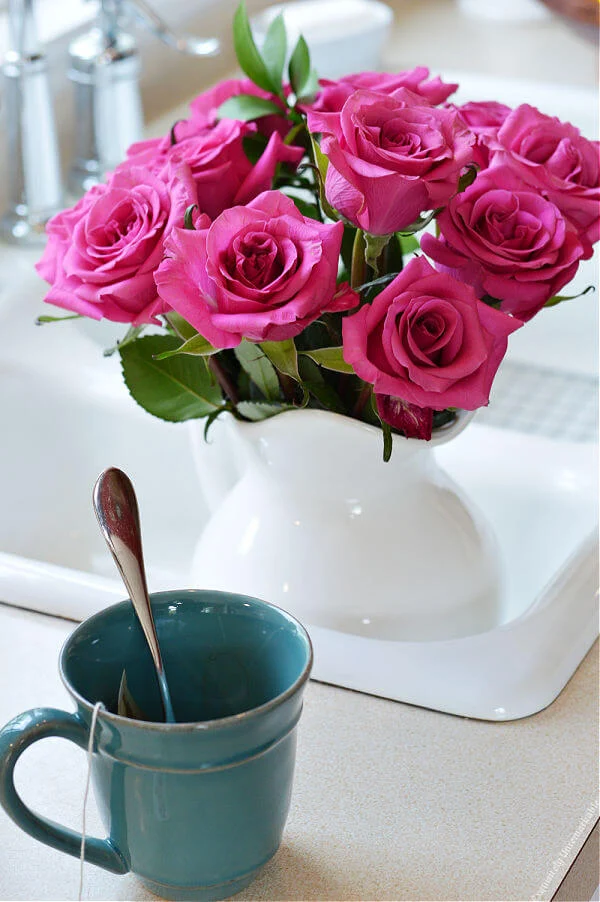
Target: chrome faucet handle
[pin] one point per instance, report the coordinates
(105, 66)
(190, 44)
(32, 170)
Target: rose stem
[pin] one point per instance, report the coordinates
(223, 379)
(358, 267)
(361, 400)
(288, 386)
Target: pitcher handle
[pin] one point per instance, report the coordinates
(217, 460)
(21, 732)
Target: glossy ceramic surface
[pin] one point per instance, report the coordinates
(320, 524)
(195, 808)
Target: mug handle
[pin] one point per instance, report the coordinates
(21, 732)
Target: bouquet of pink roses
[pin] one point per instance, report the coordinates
(272, 236)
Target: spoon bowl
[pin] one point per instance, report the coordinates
(116, 508)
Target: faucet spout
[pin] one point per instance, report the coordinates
(33, 165)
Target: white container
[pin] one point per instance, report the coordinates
(344, 36)
(318, 524)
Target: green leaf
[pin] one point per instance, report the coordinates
(247, 53)
(246, 107)
(468, 178)
(197, 346)
(443, 417)
(386, 429)
(330, 359)
(559, 298)
(260, 369)
(172, 135)
(180, 325)
(188, 222)
(42, 320)
(177, 389)
(283, 356)
(212, 417)
(358, 264)
(299, 67)
(313, 382)
(126, 704)
(388, 443)
(274, 50)
(260, 410)
(375, 245)
(310, 86)
(322, 163)
(408, 243)
(132, 334)
(254, 146)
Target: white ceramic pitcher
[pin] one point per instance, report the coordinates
(308, 516)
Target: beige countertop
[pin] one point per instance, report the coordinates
(436, 33)
(390, 801)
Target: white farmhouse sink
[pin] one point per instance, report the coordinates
(66, 415)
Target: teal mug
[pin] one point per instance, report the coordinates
(194, 809)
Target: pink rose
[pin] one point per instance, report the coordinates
(554, 157)
(507, 241)
(390, 158)
(333, 94)
(483, 118)
(262, 272)
(428, 340)
(223, 174)
(101, 254)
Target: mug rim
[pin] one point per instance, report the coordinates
(192, 725)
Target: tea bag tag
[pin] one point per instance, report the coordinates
(90, 752)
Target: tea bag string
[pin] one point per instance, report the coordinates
(90, 752)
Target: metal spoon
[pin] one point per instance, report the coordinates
(117, 511)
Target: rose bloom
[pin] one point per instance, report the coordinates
(101, 254)
(333, 94)
(428, 340)
(483, 118)
(223, 174)
(554, 157)
(507, 241)
(390, 157)
(261, 272)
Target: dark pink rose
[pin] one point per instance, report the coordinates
(101, 254)
(223, 174)
(428, 340)
(483, 118)
(554, 157)
(508, 241)
(262, 272)
(333, 94)
(413, 421)
(390, 158)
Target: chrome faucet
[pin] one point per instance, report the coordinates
(104, 66)
(32, 164)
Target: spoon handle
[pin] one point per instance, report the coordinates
(117, 511)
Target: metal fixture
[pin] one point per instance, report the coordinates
(33, 166)
(104, 65)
